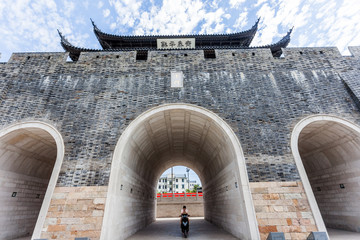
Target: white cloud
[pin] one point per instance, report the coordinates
(106, 13)
(241, 21)
(344, 28)
(31, 26)
(69, 8)
(259, 2)
(283, 15)
(213, 22)
(112, 26)
(173, 17)
(303, 40)
(100, 4)
(85, 4)
(267, 26)
(128, 11)
(236, 3)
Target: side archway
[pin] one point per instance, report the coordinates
(327, 154)
(178, 134)
(31, 156)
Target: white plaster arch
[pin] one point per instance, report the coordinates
(56, 169)
(300, 166)
(113, 189)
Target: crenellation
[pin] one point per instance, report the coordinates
(36, 58)
(312, 52)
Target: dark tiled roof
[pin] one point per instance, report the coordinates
(110, 41)
(211, 41)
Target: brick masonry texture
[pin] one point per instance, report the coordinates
(282, 207)
(92, 101)
(75, 212)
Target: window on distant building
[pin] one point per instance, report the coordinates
(182, 180)
(177, 186)
(182, 186)
(159, 180)
(176, 180)
(159, 187)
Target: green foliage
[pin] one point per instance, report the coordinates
(196, 186)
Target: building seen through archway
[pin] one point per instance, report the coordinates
(177, 180)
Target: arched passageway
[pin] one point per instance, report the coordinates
(327, 152)
(178, 134)
(28, 153)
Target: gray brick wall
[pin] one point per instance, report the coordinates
(92, 101)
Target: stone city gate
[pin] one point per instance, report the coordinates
(272, 137)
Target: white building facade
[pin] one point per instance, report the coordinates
(177, 183)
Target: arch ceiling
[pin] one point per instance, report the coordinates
(329, 157)
(31, 154)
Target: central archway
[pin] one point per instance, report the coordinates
(178, 134)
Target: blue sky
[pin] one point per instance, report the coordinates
(30, 25)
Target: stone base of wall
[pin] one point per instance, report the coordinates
(282, 207)
(75, 212)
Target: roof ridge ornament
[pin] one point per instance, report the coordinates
(93, 23)
(63, 39)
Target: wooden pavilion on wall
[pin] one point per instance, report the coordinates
(143, 44)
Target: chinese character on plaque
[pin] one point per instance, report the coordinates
(176, 43)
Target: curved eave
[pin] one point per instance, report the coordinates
(74, 52)
(276, 47)
(104, 37)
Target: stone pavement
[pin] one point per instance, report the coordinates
(165, 228)
(169, 228)
(336, 234)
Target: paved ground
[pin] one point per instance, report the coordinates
(169, 228)
(166, 228)
(336, 234)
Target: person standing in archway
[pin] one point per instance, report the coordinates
(184, 221)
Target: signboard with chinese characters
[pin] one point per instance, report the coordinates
(176, 43)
